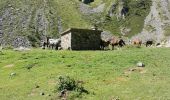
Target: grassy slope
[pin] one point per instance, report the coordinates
(102, 72)
(68, 11)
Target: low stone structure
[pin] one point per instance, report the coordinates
(81, 39)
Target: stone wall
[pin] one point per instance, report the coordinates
(66, 41)
(86, 40)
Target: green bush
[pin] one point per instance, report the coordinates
(67, 83)
(70, 84)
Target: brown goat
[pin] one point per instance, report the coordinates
(116, 42)
(137, 42)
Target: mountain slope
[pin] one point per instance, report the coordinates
(27, 22)
(21, 19)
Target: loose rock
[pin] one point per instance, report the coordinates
(42, 93)
(140, 64)
(12, 74)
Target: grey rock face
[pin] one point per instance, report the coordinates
(118, 10)
(85, 9)
(112, 10)
(20, 42)
(157, 21)
(19, 23)
(105, 35)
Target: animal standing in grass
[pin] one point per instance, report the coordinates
(104, 44)
(149, 43)
(116, 42)
(54, 43)
(137, 42)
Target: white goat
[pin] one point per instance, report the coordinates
(54, 43)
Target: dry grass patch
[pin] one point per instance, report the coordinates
(9, 66)
(141, 70)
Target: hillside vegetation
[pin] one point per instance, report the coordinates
(28, 21)
(105, 75)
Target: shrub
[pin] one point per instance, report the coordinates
(67, 83)
(70, 84)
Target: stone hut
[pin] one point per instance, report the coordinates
(81, 39)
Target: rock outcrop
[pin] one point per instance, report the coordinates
(118, 9)
(86, 9)
(157, 23)
(26, 24)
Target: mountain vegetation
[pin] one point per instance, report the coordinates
(29, 21)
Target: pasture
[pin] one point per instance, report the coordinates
(107, 75)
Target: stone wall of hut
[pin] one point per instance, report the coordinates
(85, 40)
(66, 41)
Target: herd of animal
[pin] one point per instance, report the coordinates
(113, 41)
(104, 44)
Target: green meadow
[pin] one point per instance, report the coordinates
(106, 75)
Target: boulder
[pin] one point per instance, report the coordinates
(140, 64)
(42, 93)
(13, 74)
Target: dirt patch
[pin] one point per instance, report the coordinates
(121, 79)
(107, 82)
(52, 82)
(136, 69)
(9, 66)
(33, 92)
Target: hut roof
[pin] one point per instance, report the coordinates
(79, 30)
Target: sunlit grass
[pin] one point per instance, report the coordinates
(101, 71)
